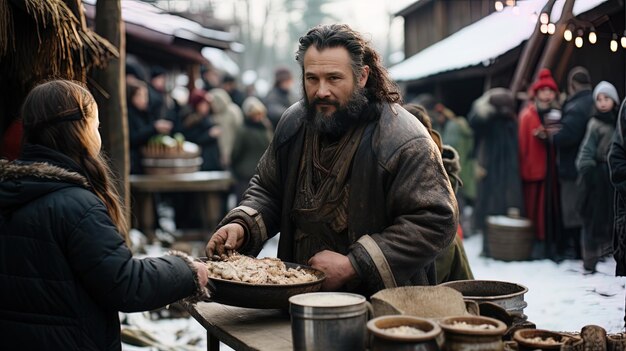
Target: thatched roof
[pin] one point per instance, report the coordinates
(42, 39)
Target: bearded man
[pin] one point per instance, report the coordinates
(351, 180)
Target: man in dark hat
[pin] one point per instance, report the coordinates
(229, 83)
(161, 106)
(576, 112)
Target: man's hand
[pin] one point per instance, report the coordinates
(337, 268)
(226, 239)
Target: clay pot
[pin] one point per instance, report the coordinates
(527, 339)
(463, 333)
(382, 337)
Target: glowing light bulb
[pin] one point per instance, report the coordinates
(579, 42)
(499, 6)
(567, 35)
(551, 28)
(623, 41)
(544, 18)
(510, 2)
(613, 45)
(592, 37)
(544, 28)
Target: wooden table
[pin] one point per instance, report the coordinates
(243, 328)
(211, 184)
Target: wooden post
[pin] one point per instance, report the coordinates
(529, 53)
(112, 107)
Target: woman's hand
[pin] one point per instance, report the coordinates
(202, 272)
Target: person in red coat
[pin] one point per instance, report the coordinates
(537, 120)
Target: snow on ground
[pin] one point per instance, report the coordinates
(560, 297)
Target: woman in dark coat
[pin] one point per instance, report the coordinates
(198, 129)
(141, 125)
(495, 131)
(65, 268)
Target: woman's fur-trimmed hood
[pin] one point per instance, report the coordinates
(40, 170)
(21, 182)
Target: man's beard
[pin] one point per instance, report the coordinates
(337, 123)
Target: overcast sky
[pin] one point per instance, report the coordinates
(367, 16)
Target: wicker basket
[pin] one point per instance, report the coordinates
(159, 159)
(509, 238)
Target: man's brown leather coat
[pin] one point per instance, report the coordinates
(402, 211)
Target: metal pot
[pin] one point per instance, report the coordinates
(328, 321)
(509, 296)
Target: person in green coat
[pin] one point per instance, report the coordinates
(251, 140)
(452, 263)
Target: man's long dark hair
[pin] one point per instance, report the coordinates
(379, 87)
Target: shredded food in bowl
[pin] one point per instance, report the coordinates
(268, 270)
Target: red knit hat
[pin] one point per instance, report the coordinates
(544, 80)
(197, 96)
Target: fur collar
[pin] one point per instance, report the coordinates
(40, 170)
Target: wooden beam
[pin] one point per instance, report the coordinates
(112, 103)
(530, 53)
(555, 40)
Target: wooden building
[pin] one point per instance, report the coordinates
(458, 49)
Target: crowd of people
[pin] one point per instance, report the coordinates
(359, 186)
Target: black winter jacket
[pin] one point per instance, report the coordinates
(617, 167)
(576, 113)
(401, 211)
(65, 271)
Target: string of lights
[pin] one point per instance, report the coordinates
(575, 30)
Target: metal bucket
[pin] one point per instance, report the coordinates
(328, 321)
(509, 296)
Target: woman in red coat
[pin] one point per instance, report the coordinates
(539, 118)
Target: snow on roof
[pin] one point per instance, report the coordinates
(151, 17)
(482, 41)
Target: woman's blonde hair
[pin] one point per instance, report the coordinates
(56, 115)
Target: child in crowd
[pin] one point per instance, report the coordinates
(596, 201)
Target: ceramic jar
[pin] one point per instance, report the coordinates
(539, 339)
(472, 333)
(404, 333)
